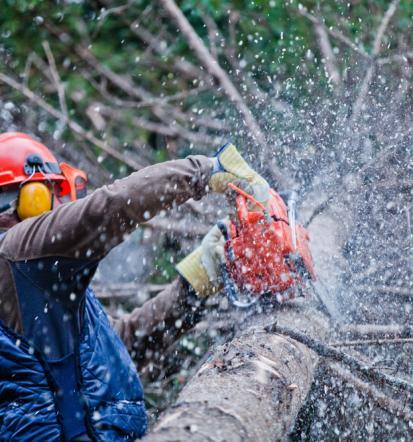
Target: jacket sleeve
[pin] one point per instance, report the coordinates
(152, 328)
(89, 228)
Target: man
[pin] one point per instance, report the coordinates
(65, 373)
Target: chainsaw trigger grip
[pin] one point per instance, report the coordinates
(232, 290)
(224, 230)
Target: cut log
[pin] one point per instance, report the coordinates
(250, 388)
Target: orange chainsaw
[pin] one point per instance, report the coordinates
(266, 251)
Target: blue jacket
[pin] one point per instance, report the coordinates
(84, 383)
(64, 372)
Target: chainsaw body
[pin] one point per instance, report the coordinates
(266, 252)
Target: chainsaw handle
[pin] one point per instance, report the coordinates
(242, 209)
(230, 287)
(223, 227)
(231, 290)
(246, 195)
(224, 230)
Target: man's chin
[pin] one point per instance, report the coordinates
(8, 220)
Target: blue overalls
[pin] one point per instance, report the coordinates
(69, 376)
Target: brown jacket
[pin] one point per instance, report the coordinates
(89, 228)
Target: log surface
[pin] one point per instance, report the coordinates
(250, 388)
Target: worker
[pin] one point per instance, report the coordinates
(65, 373)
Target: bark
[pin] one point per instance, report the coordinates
(251, 388)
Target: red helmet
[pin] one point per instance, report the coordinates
(23, 163)
(24, 159)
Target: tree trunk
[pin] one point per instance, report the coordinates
(251, 388)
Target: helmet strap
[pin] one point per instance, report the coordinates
(29, 178)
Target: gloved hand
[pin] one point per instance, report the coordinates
(201, 267)
(229, 166)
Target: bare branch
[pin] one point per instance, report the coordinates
(376, 162)
(115, 10)
(201, 121)
(244, 77)
(124, 83)
(334, 33)
(213, 34)
(27, 67)
(133, 104)
(389, 290)
(183, 66)
(378, 331)
(383, 26)
(328, 54)
(386, 403)
(365, 85)
(125, 291)
(400, 58)
(216, 70)
(338, 356)
(177, 227)
(171, 130)
(74, 126)
(57, 81)
(363, 342)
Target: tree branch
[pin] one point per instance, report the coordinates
(365, 85)
(390, 290)
(122, 292)
(325, 204)
(334, 33)
(171, 130)
(377, 331)
(75, 127)
(327, 52)
(183, 66)
(216, 70)
(330, 352)
(386, 403)
(177, 227)
(57, 81)
(363, 342)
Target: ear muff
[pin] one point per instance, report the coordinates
(34, 199)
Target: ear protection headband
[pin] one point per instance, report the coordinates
(36, 197)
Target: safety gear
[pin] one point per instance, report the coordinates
(33, 200)
(201, 267)
(229, 166)
(86, 381)
(25, 161)
(21, 156)
(192, 270)
(212, 257)
(74, 186)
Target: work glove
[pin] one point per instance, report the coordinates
(229, 166)
(201, 268)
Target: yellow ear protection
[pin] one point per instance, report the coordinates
(34, 199)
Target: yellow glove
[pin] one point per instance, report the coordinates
(201, 268)
(229, 166)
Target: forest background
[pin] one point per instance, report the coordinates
(316, 94)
